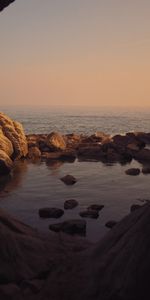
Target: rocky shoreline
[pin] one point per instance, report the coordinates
(57, 266)
(14, 144)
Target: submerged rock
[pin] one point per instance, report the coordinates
(69, 179)
(97, 207)
(70, 204)
(133, 171)
(111, 224)
(50, 212)
(89, 213)
(70, 227)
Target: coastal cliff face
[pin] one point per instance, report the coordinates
(4, 3)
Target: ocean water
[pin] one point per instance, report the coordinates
(85, 120)
(38, 185)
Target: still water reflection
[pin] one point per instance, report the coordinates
(38, 185)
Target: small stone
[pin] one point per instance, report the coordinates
(146, 170)
(71, 203)
(133, 171)
(70, 227)
(69, 179)
(134, 207)
(52, 212)
(96, 207)
(111, 224)
(90, 213)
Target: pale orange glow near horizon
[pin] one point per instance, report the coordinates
(96, 61)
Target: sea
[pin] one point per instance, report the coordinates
(33, 186)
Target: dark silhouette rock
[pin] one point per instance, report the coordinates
(117, 267)
(91, 152)
(69, 179)
(70, 204)
(142, 155)
(134, 207)
(70, 227)
(89, 213)
(111, 224)
(97, 207)
(4, 3)
(50, 212)
(133, 171)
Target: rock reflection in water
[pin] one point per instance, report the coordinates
(12, 182)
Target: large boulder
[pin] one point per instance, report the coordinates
(55, 141)
(5, 144)
(14, 132)
(6, 163)
(119, 267)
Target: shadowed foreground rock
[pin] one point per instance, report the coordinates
(57, 267)
(4, 3)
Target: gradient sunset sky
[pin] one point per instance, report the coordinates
(75, 52)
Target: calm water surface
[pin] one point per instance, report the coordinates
(38, 185)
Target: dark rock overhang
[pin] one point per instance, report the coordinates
(4, 3)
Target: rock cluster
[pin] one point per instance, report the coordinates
(13, 143)
(99, 146)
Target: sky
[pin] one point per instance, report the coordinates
(75, 52)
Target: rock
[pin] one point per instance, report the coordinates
(69, 179)
(4, 3)
(133, 171)
(146, 170)
(14, 132)
(122, 140)
(90, 213)
(97, 207)
(5, 144)
(134, 207)
(100, 137)
(34, 153)
(91, 152)
(133, 146)
(55, 141)
(60, 155)
(6, 163)
(143, 137)
(72, 140)
(142, 155)
(113, 156)
(50, 212)
(111, 224)
(70, 227)
(71, 203)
